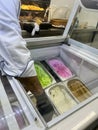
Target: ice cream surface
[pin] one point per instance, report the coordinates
(78, 89)
(44, 78)
(59, 67)
(61, 99)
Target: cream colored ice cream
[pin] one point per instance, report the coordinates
(61, 99)
(44, 78)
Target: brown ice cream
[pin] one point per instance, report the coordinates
(78, 89)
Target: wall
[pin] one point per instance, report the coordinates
(62, 2)
(90, 18)
(60, 8)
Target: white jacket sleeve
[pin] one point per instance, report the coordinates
(14, 56)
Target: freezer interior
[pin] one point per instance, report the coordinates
(80, 67)
(67, 94)
(74, 68)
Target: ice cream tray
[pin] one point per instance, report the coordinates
(77, 89)
(63, 72)
(45, 78)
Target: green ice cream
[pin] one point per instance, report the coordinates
(43, 77)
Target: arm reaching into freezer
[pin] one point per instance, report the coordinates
(43, 104)
(15, 59)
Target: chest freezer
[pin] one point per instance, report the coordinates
(18, 109)
(82, 60)
(73, 94)
(71, 103)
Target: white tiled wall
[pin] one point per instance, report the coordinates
(91, 17)
(85, 16)
(62, 6)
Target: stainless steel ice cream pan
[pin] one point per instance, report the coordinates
(60, 98)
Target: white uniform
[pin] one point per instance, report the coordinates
(14, 56)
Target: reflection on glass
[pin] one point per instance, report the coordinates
(85, 29)
(53, 18)
(3, 122)
(19, 115)
(32, 9)
(18, 112)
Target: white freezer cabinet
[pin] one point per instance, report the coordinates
(83, 63)
(18, 111)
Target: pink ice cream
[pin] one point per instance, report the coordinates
(60, 68)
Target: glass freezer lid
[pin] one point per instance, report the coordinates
(78, 7)
(57, 19)
(81, 66)
(15, 111)
(30, 9)
(7, 120)
(16, 107)
(81, 27)
(78, 28)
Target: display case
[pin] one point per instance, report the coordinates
(30, 9)
(73, 92)
(53, 17)
(80, 105)
(71, 96)
(81, 60)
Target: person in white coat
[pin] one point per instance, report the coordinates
(15, 59)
